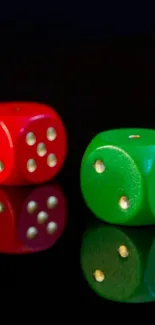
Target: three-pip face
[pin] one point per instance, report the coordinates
(35, 143)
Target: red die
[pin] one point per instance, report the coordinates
(43, 218)
(33, 143)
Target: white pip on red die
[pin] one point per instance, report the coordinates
(33, 143)
(43, 218)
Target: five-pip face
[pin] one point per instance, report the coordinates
(35, 143)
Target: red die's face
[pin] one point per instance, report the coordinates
(42, 219)
(7, 156)
(41, 149)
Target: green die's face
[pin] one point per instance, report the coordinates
(112, 173)
(114, 261)
(151, 188)
(111, 263)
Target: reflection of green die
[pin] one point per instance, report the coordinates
(113, 261)
(150, 270)
(116, 172)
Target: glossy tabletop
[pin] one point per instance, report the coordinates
(49, 239)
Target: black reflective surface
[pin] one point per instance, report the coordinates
(94, 86)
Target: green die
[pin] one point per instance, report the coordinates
(118, 176)
(114, 262)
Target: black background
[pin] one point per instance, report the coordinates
(97, 69)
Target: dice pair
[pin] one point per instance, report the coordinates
(118, 176)
(31, 219)
(33, 143)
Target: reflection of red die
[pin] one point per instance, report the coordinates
(43, 218)
(7, 224)
(10, 205)
(35, 143)
(31, 219)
